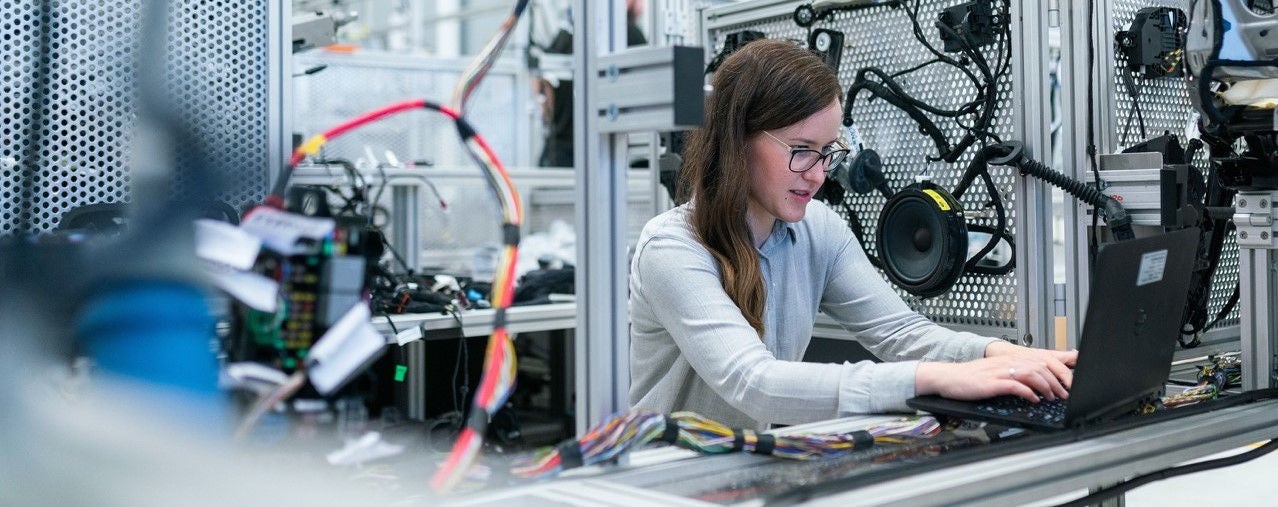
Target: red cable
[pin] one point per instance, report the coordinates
(454, 458)
(367, 118)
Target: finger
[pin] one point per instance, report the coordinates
(1019, 389)
(1069, 357)
(1061, 372)
(1067, 379)
(1035, 380)
(1053, 388)
(1058, 388)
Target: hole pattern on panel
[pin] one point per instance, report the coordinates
(883, 37)
(84, 130)
(219, 61)
(1164, 103)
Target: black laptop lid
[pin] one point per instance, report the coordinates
(1137, 296)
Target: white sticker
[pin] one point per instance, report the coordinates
(344, 350)
(258, 292)
(280, 230)
(225, 243)
(1152, 265)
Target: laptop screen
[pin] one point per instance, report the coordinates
(1137, 297)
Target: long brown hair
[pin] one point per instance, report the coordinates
(764, 85)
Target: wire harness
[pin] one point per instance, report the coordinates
(627, 431)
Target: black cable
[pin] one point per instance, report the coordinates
(895, 87)
(1229, 307)
(918, 35)
(915, 68)
(986, 84)
(999, 232)
(854, 223)
(377, 197)
(457, 365)
(979, 167)
(1134, 93)
(995, 235)
(988, 93)
(357, 184)
(1093, 243)
(463, 361)
(926, 125)
(1113, 491)
(395, 253)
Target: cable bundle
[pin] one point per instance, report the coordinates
(499, 363)
(478, 68)
(1212, 379)
(625, 431)
(498, 378)
(880, 84)
(614, 436)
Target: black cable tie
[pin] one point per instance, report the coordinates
(464, 129)
(767, 444)
(569, 454)
(738, 440)
(510, 234)
(862, 439)
(751, 440)
(478, 421)
(671, 435)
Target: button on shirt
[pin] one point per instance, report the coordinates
(691, 349)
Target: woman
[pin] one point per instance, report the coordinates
(724, 289)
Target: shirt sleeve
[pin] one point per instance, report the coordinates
(718, 343)
(857, 297)
(729, 356)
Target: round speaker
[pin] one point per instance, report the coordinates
(922, 239)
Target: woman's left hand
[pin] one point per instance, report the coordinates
(1057, 361)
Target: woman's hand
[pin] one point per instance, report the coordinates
(1059, 362)
(1006, 369)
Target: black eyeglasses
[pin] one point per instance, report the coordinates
(802, 159)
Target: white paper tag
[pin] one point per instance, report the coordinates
(280, 230)
(258, 292)
(1152, 266)
(344, 350)
(225, 243)
(408, 336)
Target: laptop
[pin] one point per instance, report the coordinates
(1138, 293)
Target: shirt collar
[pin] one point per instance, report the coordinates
(780, 232)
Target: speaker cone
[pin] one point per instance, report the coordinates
(922, 240)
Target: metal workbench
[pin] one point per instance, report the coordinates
(1033, 474)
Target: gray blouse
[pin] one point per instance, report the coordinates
(691, 349)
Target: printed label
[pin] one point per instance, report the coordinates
(1152, 265)
(936, 196)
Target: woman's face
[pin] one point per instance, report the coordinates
(776, 192)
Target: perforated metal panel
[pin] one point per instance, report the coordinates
(882, 37)
(1164, 103)
(216, 68)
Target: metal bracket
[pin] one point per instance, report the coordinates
(1256, 220)
(1133, 179)
(650, 89)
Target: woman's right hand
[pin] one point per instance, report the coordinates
(1020, 376)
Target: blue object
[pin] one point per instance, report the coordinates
(155, 331)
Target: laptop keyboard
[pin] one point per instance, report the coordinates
(1050, 412)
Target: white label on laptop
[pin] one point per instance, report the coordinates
(1152, 265)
